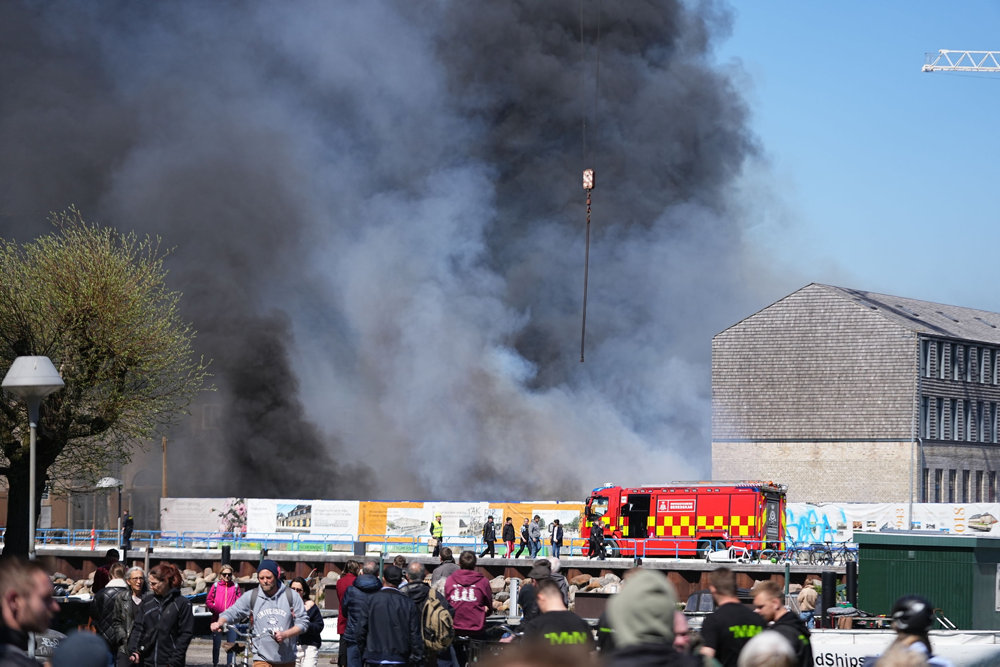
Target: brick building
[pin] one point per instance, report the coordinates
(852, 396)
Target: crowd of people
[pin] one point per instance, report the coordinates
(399, 614)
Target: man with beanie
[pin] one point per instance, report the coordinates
(727, 629)
(642, 618)
(279, 616)
(390, 632)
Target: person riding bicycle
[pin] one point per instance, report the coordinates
(277, 617)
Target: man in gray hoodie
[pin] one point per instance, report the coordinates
(279, 616)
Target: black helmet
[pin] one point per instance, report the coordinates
(912, 614)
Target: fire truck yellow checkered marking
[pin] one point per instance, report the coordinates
(676, 526)
(740, 525)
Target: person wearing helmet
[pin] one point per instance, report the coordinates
(911, 618)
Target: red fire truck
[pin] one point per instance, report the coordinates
(688, 518)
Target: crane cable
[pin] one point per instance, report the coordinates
(588, 173)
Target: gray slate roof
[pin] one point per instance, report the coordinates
(926, 317)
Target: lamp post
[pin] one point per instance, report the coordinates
(107, 483)
(32, 379)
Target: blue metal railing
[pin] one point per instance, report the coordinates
(328, 542)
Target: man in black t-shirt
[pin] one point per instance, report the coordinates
(556, 625)
(726, 630)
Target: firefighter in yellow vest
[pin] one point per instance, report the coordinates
(437, 532)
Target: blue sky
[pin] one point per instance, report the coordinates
(883, 177)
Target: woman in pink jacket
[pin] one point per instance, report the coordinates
(221, 597)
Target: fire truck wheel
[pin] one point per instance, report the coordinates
(704, 548)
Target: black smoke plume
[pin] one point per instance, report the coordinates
(378, 221)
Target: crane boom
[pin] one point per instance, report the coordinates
(962, 61)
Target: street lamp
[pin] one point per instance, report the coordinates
(107, 483)
(32, 379)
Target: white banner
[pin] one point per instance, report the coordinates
(837, 522)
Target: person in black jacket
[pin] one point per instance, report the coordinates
(390, 632)
(355, 607)
(509, 535)
(419, 591)
(489, 537)
(164, 622)
(310, 640)
(107, 611)
(769, 602)
(525, 540)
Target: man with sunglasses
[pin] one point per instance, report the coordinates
(221, 596)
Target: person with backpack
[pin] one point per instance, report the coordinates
(279, 616)
(468, 592)
(436, 617)
(221, 596)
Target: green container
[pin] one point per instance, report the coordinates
(959, 574)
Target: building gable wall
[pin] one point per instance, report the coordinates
(814, 365)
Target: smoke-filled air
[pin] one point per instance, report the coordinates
(379, 226)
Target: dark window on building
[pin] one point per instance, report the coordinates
(984, 368)
(967, 421)
(993, 422)
(940, 360)
(980, 421)
(939, 433)
(966, 478)
(951, 485)
(991, 487)
(955, 366)
(925, 485)
(967, 358)
(977, 494)
(938, 480)
(925, 417)
(925, 358)
(953, 417)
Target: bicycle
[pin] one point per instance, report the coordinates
(243, 652)
(828, 554)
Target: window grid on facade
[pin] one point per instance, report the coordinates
(966, 479)
(953, 415)
(977, 494)
(967, 358)
(955, 368)
(967, 413)
(940, 360)
(939, 432)
(951, 485)
(938, 479)
(993, 422)
(991, 487)
(983, 368)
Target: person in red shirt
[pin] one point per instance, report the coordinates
(351, 570)
(469, 594)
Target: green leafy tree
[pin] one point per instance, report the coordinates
(94, 301)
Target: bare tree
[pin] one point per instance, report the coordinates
(95, 301)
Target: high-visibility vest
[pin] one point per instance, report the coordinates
(437, 530)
